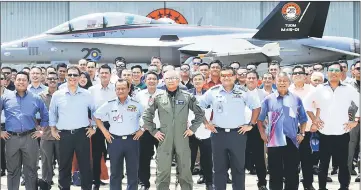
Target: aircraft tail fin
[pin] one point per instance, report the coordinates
(294, 20)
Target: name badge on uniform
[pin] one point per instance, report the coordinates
(179, 102)
(165, 101)
(118, 118)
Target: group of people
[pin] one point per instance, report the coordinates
(228, 115)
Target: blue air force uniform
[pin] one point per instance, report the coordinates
(124, 123)
(228, 144)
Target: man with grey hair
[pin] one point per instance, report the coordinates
(317, 78)
(165, 69)
(285, 111)
(173, 107)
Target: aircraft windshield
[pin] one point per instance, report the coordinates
(100, 20)
(119, 19)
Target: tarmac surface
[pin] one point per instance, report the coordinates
(251, 181)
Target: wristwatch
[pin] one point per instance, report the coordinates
(142, 129)
(302, 134)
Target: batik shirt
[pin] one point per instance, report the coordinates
(284, 113)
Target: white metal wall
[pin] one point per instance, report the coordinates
(23, 19)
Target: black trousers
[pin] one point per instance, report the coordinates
(228, 147)
(146, 151)
(120, 149)
(283, 162)
(306, 160)
(337, 147)
(79, 143)
(3, 160)
(98, 149)
(255, 155)
(205, 147)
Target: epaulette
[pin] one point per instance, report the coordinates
(215, 87)
(112, 100)
(132, 99)
(162, 92)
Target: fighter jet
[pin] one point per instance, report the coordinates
(292, 33)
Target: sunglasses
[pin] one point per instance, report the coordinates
(196, 63)
(334, 70)
(171, 78)
(73, 75)
(52, 79)
(242, 74)
(357, 68)
(184, 69)
(298, 73)
(226, 75)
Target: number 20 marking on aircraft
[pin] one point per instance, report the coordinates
(90, 51)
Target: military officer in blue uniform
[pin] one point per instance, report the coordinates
(123, 114)
(229, 128)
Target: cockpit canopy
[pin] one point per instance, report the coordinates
(102, 20)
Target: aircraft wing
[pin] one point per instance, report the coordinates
(145, 42)
(343, 52)
(228, 50)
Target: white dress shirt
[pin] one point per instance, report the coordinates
(102, 95)
(143, 97)
(334, 105)
(302, 93)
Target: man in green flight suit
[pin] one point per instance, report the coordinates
(173, 106)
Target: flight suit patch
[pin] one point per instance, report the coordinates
(179, 102)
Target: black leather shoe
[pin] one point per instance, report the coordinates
(209, 187)
(353, 172)
(229, 181)
(102, 183)
(329, 179)
(263, 187)
(3, 173)
(144, 188)
(201, 180)
(315, 171)
(334, 171)
(95, 187)
(22, 183)
(196, 171)
(357, 178)
(253, 171)
(310, 188)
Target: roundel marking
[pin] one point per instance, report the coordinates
(168, 13)
(291, 11)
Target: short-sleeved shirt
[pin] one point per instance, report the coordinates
(229, 107)
(123, 118)
(302, 93)
(284, 113)
(46, 97)
(20, 111)
(69, 111)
